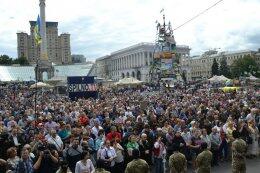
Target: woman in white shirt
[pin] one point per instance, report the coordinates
(85, 165)
(108, 154)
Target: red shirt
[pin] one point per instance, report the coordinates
(114, 135)
(83, 120)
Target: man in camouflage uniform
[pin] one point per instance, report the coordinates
(203, 160)
(239, 148)
(137, 165)
(177, 161)
(101, 170)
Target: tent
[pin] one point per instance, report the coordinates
(57, 81)
(218, 79)
(253, 78)
(40, 85)
(128, 81)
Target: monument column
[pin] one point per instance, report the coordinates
(44, 54)
(43, 63)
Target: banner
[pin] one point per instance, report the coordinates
(82, 87)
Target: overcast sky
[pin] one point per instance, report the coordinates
(99, 27)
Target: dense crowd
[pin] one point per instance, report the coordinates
(93, 135)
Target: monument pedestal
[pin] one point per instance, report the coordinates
(44, 66)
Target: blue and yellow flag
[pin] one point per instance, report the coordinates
(37, 34)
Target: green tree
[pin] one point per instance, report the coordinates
(21, 61)
(215, 68)
(244, 66)
(5, 60)
(224, 69)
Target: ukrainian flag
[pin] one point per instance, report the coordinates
(37, 34)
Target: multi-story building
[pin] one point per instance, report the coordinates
(78, 58)
(58, 47)
(199, 67)
(132, 61)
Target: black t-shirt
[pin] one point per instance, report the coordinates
(47, 165)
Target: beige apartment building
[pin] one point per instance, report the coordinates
(199, 67)
(58, 46)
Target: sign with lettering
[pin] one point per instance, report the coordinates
(82, 87)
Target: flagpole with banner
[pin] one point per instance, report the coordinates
(37, 37)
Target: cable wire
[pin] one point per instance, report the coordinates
(198, 15)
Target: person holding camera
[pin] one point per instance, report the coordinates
(47, 160)
(85, 165)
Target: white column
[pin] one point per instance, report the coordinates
(131, 60)
(119, 59)
(143, 58)
(43, 53)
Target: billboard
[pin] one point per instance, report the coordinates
(82, 87)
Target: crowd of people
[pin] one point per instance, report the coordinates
(158, 126)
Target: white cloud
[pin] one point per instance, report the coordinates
(98, 27)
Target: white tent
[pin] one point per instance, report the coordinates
(218, 79)
(40, 85)
(57, 81)
(128, 81)
(252, 78)
(223, 78)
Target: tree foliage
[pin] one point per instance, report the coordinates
(215, 68)
(245, 66)
(224, 68)
(6, 60)
(21, 61)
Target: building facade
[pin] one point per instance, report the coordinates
(199, 67)
(78, 59)
(58, 46)
(134, 61)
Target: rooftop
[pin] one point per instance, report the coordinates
(48, 24)
(133, 47)
(26, 73)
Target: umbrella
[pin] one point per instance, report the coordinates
(128, 81)
(40, 85)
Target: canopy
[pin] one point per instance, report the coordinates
(252, 78)
(40, 85)
(57, 81)
(128, 81)
(218, 79)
